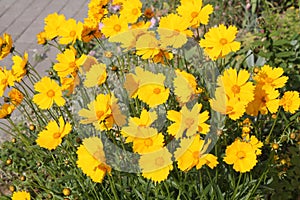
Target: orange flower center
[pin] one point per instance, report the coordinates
(72, 33)
(156, 91)
(117, 27)
(200, 129)
(4, 81)
(159, 161)
(235, 89)
(189, 122)
(269, 80)
(223, 41)
(99, 114)
(72, 65)
(194, 14)
(229, 109)
(135, 11)
(196, 154)
(50, 93)
(56, 135)
(148, 142)
(264, 99)
(241, 154)
(102, 167)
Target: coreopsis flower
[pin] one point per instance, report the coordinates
(256, 144)
(173, 30)
(219, 41)
(241, 155)
(263, 102)
(15, 96)
(19, 66)
(148, 12)
(185, 86)
(187, 122)
(52, 136)
(53, 22)
(91, 159)
(99, 113)
(156, 165)
(96, 75)
(88, 33)
(153, 94)
(21, 195)
(41, 38)
(114, 25)
(6, 79)
(147, 45)
(131, 10)
(6, 110)
(5, 45)
(193, 11)
(236, 85)
(149, 144)
(227, 106)
(70, 31)
(270, 78)
(69, 83)
(68, 63)
(190, 154)
(290, 101)
(49, 92)
(96, 12)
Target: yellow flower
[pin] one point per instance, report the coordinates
(131, 10)
(193, 11)
(6, 79)
(99, 113)
(21, 195)
(15, 96)
(290, 101)
(19, 66)
(156, 165)
(153, 94)
(52, 136)
(5, 45)
(88, 33)
(185, 86)
(242, 155)
(53, 22)
(147, 45)
(173, 31)
(41, 38)
(68, 63)
(219, 41)
(190, 154)
(96, 75)
(6, 110)
(70, 31)
(236, 85)
(227, 106)
(270, 78)
(256, 144)
(114, 25)
(91, 159)
(69, 83)
(263, 102)
(147, 145)
(49, 93)
(187, 122)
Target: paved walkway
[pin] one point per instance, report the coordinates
(23, 19)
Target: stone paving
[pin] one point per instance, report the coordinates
(23, 19)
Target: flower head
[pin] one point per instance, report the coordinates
(53, 22)
(5, 110)
(219, 41)
(242, 155)
(96, 75)
(52, 136)
(21, 195)
(15, 96)
(91, 159)
(6, 79)
(114, 25)
(70, 31)
(5, 45)
(290, 101)
(131, 10)
(49, 92)
(19, 66)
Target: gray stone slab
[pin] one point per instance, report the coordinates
(5, 5)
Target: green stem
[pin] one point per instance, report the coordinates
(236, 186)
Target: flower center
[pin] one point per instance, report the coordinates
(4, 81)
(148, 142)
(156, 91)
(50, 93)
(264, 99)
(72, 65)
(194, 14)
(117, 27)
(159, 161)
(102, 167)
(135, 11)
(241, 155)
(269, 80)
(73, 33)
(189, 122)
(229, 109)
(196, 154)
(56, 135)
(223, 41)
(235, 89)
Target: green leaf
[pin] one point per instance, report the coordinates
(281, 42)
(285, 54)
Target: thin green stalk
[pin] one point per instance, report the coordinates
(236, 186)
(113, 187)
